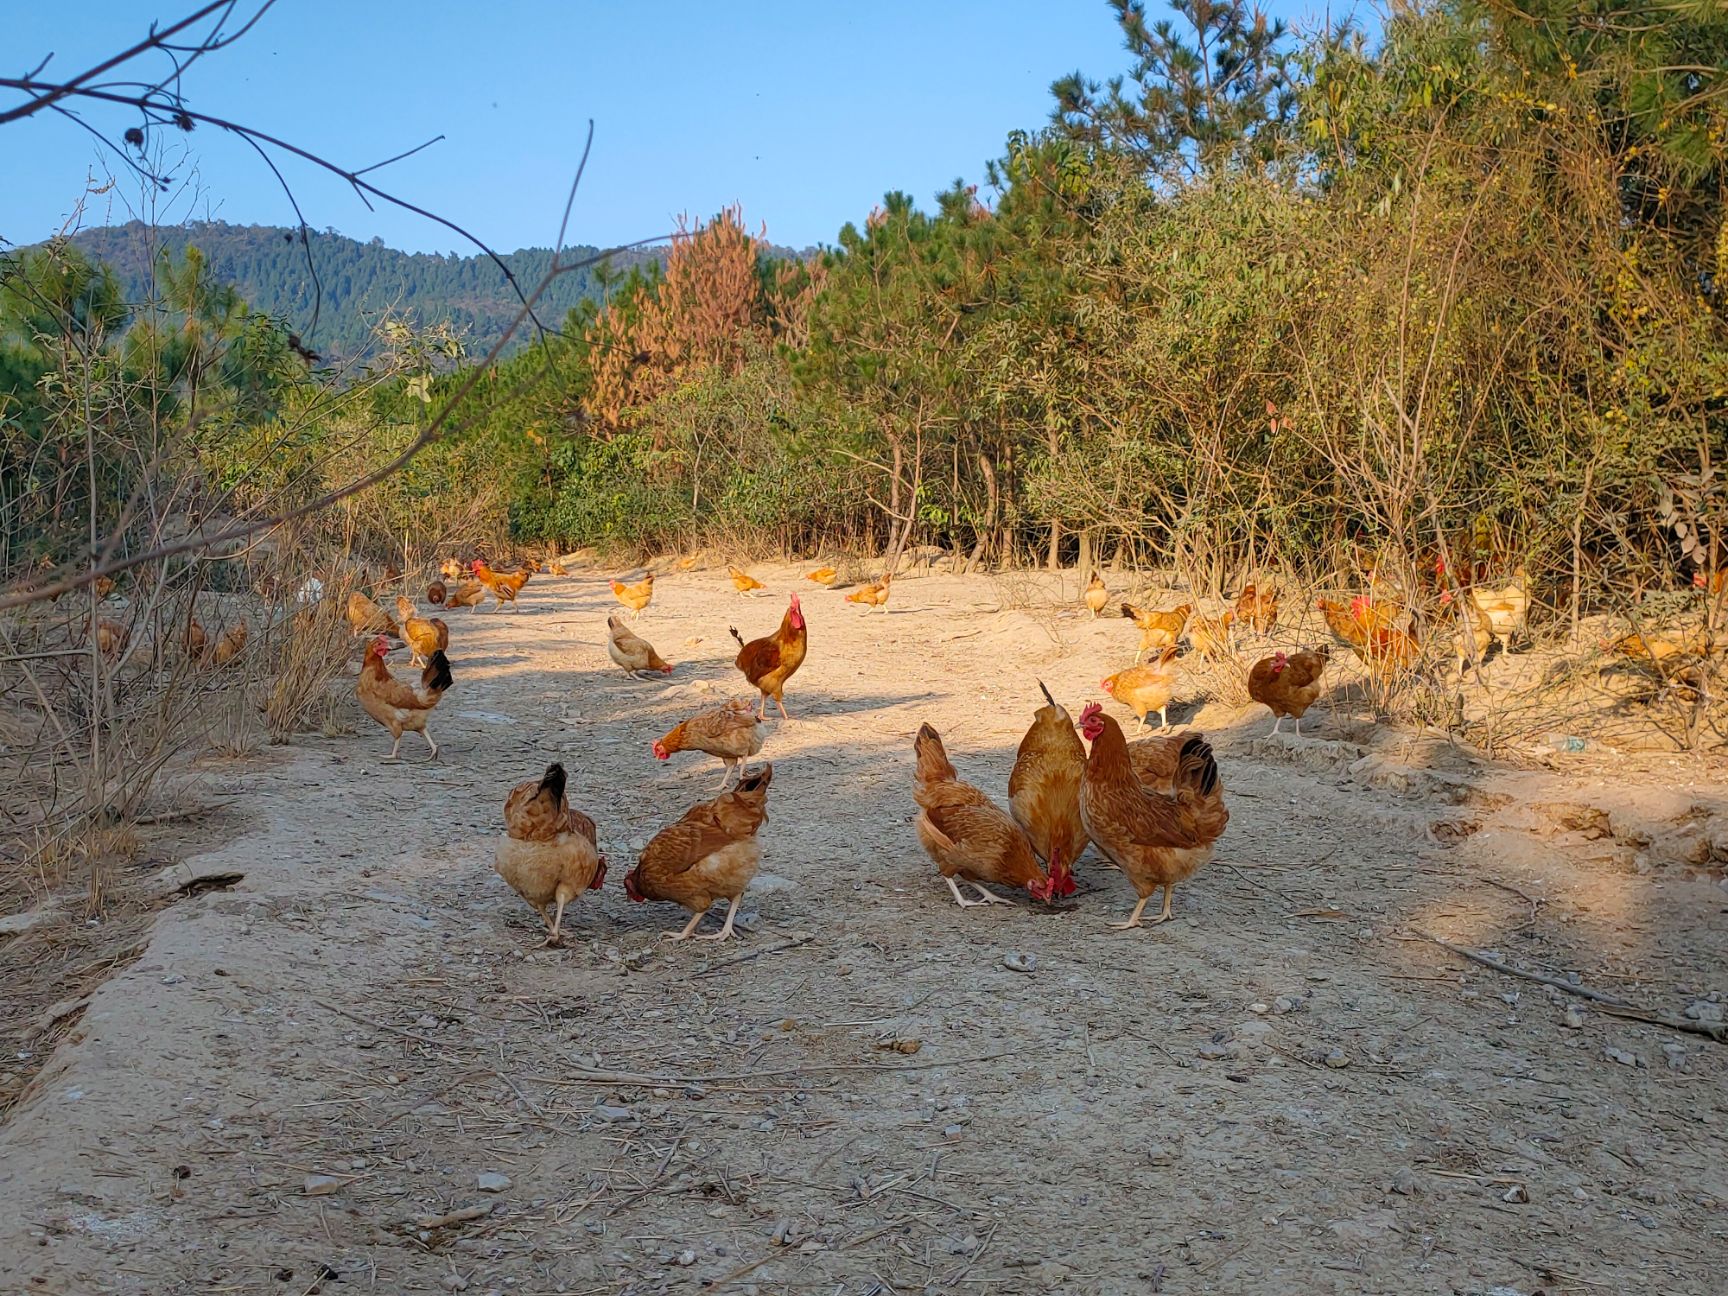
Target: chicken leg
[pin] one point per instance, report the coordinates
(1276, 721)
(726, 930)
(1134, 918)
(689, 927)
(959, 899)
(988, 897)
(554, 935)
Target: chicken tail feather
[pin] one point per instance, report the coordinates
(437, 675)
(1195, 766)
(553, 782)
(736, 635)
(1046, 693)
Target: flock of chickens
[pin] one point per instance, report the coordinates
(1154, 808)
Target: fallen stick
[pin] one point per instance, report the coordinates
(715, 968)
(1612, 1003)
(634, 1078)
(386, 1026)
(466, 1215)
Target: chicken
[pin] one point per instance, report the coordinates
(873, 595)
(731, 731)
(1490, 614)
(451, 569)
(743, 581)
(504, 585)
(1157, 839)
(634, 653)
(823, 576)
(556, 568)
(196, 639)
(1097, 594)
(769, 662)
(111, 637)
(635, 597)
(549, 853)
(104, 586)
(399, 707)
(229, 644)
(1259, 612)
(1663, 649)
(421, 636)
(1156, 759)
(366, 617)
(435, 593)
(710, 854)
(970, 838)
(1158, 629)
(1211, 636)
(1368, 629)
(1044, 787)
(1288, 684)
(467, 594)
(1146, 688)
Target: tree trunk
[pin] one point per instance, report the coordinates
(1083, 561)
(989, 523)
(1055, 543)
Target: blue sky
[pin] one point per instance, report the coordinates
(804, 113)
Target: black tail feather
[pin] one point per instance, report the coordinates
(1046, 692)
(553, 781)
(437, 674)
(736, 635)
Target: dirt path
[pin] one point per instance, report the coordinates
(1283, 1091)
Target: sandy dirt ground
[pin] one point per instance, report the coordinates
(353, 1070)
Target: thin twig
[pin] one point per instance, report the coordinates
(1612, 1003)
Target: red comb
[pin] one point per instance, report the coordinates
(1089, 710)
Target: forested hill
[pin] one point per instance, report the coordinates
(360, 281)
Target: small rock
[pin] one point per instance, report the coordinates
(492, 1181)
(1258, 1009)
(1702, 1010)
(613, 1115)
(1516, 1194)
(1286, 1004)
(1676, 1056)
(953, 1131)
(320, 1185)
(1573, 1019)
(1337, 1059)
(685, 1258)
(1403, 1182)
(426, 1021)
(1157, 1154)
(1213, 1052)
(1621, 1056)
(455, 1282)
(1015, 961)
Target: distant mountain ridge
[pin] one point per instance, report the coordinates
(360, 282)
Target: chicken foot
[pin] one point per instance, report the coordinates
(397, 746)
(689, 927)
(964, 903)
(731, 913)
(1134, 918)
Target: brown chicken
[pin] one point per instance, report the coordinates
(111, 637)
(710, 854)
(635, 597)
(366, 617)
(1664, 649)
(422, 636)
(504, 585)
(196, 639)
(1158, 629)
(435, 593)
(733, 732)
(1097, 594)
(970, 838)
(1288, 684)
(743, 581)
(229, 644)
(400, 707)
(823, 576)
(769, 662)
(1368, 629)
(1044, 787)
(1146, 688)
(631, 651)
(1155, 759)
(872, 595)
(451, 569)
(104, 586)
(549, 853)
(1211, 636)
(556, 568)
(468, 594)
(1158, 840)
(1259, 612)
